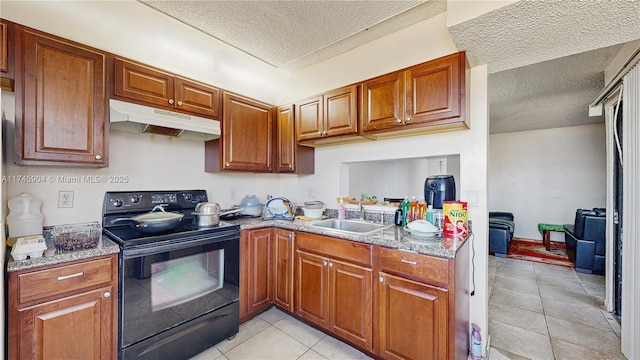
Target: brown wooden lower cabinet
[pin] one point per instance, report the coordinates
(404, 332)
(335, 294)
(282, 270)
(419, 308)
(64, 312)
(256, 294)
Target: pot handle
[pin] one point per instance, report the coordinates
(158, 207)
(231, 211)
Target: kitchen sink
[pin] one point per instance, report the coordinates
(350, 226)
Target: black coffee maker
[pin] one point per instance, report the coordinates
(439, 188)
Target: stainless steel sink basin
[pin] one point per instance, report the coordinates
(350, 226)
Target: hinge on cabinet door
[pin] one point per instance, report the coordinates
(616, 219)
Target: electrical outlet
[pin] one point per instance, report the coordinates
(233, 194)
(65, 199)
(472, 198)
(311, 193)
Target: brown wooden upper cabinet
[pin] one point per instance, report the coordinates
(432, 93)
(289, 156)
(4, 49)
(61, 102)
(246, 143)
(146, 85)
(331, 114)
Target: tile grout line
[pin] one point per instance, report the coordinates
(544, 314)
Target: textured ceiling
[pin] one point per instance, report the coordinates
(548, 94)
(295, 34)
(546, 59)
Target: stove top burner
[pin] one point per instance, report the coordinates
(130, 204)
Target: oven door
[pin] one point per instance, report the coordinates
(166, 288)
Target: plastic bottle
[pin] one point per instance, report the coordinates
(430, 214)
(24, 217)
(398, 217)
(405, 210)
(413, 209)
(341, 210)
(476, 343)
(422, 210)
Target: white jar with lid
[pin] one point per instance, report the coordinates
(24, 217)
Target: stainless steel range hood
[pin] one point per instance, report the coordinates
(136, 118)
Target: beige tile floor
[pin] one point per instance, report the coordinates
(539, 311)
(536, 311)
(276, 335)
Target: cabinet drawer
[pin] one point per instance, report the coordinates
(60, 280)
(424, 268)
(336, 248)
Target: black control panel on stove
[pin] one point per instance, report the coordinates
(129, 201)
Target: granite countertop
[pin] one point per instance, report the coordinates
(392, 236)
(51, 256)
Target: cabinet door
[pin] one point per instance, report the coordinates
(341, 111)
(255, 255)
(74, 327)
(383, 102)
(309, 119)
(433, 90)
(247, 132)
(412, 319)
(197, 98)
(4, 47)
(283, 268)
(144, 84)
(286, 142)
(312, 288)
(61, 102)
(350, 296)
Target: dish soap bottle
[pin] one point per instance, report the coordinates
(341, 210)
(405, 211)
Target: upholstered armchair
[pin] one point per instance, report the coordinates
(501, 228)
(586, 241)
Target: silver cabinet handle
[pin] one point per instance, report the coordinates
(409, 262)
(325, 263)
(171, 101)
(65, 277)
(179, 103)
(107, 294)
(98, 157)
(226, 164)
(381, 279)
(330, 264)
(408, 119)
(324, 133)
(320, 133)
(398, 120)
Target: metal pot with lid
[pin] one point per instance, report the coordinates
(157, 220)
(208, 214)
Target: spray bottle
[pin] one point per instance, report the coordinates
(476, 343)
(341, 210)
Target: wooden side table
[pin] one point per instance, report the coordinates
(545, 231)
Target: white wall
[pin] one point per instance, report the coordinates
(156, 162)
(543, 176)
(399, 177)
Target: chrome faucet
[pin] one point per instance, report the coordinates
(361, 210)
